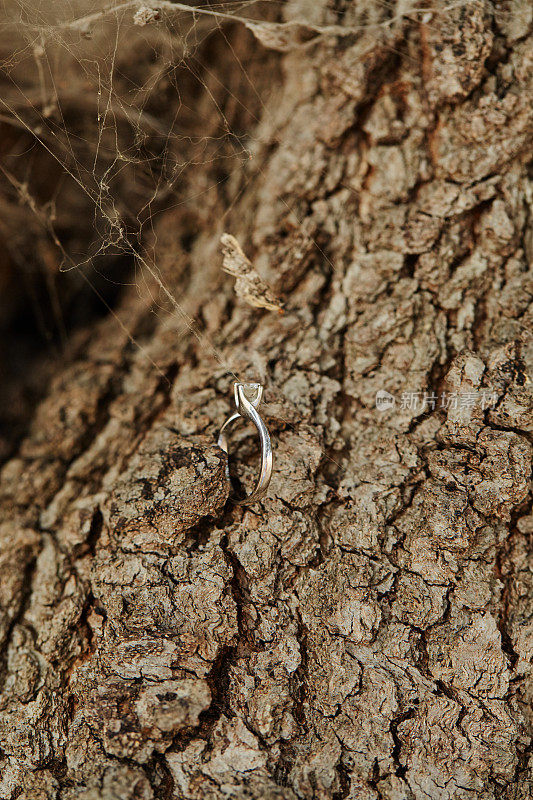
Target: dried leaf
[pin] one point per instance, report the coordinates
(285, 36)
(144, 15)
(248, 283)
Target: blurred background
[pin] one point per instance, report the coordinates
(108, 115)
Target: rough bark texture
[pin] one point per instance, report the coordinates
(366, 632)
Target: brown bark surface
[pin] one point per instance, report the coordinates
(366, 631)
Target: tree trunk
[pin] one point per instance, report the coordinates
(365, 631)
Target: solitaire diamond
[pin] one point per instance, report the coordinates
(253, 392)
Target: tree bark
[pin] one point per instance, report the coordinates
(365, 631)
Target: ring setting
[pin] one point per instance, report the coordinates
(248, 397)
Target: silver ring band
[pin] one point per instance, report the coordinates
(247, 398)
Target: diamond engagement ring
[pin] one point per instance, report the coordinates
(247, 399)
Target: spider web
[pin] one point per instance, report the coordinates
(106, 103)
(116, 113)
(124, 110)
